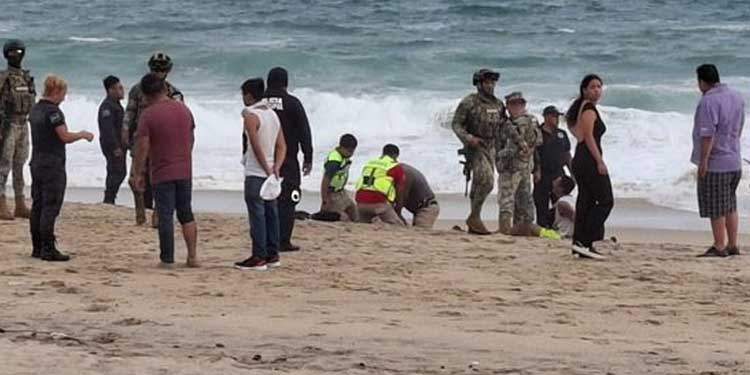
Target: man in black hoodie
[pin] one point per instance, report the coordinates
(297, 134)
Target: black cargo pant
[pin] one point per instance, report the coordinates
(48, 181)
(116, 172)
(542, 197)
(287, 202)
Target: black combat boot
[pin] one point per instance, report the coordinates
(50, 253)
(36, 251)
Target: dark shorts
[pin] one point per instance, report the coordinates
(717, 193)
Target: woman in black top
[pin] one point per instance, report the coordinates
(595, 200)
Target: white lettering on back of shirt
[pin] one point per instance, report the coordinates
(276, 104)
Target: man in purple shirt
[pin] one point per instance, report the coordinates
(719, 119)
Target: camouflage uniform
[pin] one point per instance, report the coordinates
(481, 116)
(135, 107)
(17, 95)
(515, 163)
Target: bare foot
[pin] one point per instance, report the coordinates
(193, 263)
(166, 266)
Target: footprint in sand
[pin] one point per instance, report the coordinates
(451, 314)
(53, 283)
(129, 322)
(96, 307)
(69, 290)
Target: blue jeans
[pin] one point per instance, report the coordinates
(264, 220)
(171, 196)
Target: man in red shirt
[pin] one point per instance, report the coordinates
(165, 137)
(381, 182)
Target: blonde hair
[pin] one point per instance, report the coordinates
(53, 84)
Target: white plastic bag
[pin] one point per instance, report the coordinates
(271, 188)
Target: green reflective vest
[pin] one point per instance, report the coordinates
(375, 177)
(338, 181)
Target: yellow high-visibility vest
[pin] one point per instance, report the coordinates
(375, 177)
(339, 180)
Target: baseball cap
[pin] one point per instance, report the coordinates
(551, 110)
(515, 96)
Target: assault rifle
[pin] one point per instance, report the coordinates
(466, 153)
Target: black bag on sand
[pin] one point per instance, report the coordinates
(326, 216)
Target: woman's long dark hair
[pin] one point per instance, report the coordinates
(571, 117)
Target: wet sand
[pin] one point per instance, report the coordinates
(366, 299)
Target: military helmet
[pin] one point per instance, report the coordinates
(13, 44)
(160, 62)
(483, 75)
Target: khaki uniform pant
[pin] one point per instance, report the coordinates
(340, 202)
(426, 217)
(13, 156)
(383, 211)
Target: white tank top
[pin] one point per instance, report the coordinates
(268, 131)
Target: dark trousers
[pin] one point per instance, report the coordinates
(287, 206)
(148, 193)
(48, 181)
(595, 202)
(542, 197)
(116, 172)
(171, 196)
(264, 220)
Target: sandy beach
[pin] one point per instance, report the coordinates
(362, 299)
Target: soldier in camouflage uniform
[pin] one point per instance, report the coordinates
(160, 64)
(515, 164)
(477, 123)
(17, 95)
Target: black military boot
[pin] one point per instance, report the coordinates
(50, 253)
(36, 251)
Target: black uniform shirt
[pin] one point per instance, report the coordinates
(111, 114)
(551, 153)
(45, 117)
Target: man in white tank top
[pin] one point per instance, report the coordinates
(264, 150)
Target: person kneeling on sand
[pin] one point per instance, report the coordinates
(562, 214)
(418, 198)
(381, 182)
(262, 159)
(334, 199)
(165, 137)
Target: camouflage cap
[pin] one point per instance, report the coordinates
(551, 110)
(515, 96)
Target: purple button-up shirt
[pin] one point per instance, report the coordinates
(721, 115)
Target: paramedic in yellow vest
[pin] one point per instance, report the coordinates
(381, 182)
(333, 194)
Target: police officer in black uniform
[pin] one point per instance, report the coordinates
(297, 134)
(111, 115)
(49, 135)
(551, 157)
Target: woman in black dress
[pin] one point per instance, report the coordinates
(595, 200)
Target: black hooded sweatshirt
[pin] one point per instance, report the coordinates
(293, 122)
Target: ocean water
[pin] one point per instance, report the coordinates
(391, 71)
